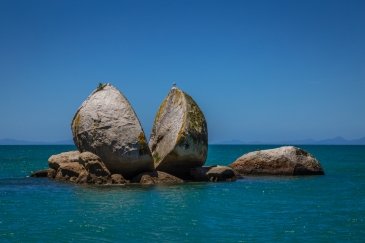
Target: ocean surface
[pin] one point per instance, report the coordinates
(329, 208)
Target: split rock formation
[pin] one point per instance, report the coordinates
(112, 147)
(107, 126)
(179, 138)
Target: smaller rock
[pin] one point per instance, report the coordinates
(148, 180)
(221, 173)
(213, 173)
(88, 156)
(156, 177)
(81, 168)
(288, 160)
(97, 168)
(68, 170)
(118, 179)
(40, 173)
(165, 178)
(55, 160)
(97, 180)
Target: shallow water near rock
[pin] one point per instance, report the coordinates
(314, 208)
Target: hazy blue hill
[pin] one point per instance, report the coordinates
(9, 141)
(360, 141)
(342, 141)
(64, 142)
(335, 141)
(330, 141)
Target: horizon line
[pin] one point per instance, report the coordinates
(329, 141)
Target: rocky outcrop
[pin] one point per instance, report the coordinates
(213, 173)
(287, 160)
(55, 160)
(156, 177)
(81, 168)
(107, 126)
(112, 145)
(88, 168)
(117, 179)
(179, 138)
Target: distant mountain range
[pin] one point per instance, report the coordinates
(9, 141)
(330, 141)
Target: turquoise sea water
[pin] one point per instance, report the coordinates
(328, 208)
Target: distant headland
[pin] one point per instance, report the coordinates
(329, 141)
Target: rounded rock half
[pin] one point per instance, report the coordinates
(107, 126)
(179, 138)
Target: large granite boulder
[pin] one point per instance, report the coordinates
(107, 126)
(286, 160)
(179, 138)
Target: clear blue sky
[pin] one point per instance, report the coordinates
(260, 70)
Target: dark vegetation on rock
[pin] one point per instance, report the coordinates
(179, 138)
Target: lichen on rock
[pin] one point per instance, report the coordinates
(107, 126)
(179, 138)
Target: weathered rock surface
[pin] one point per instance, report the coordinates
(179, 138)
(81, 168)
(69, 171)
(55, 160)
(221, 173)
(118, 179)
(88, 168)
(156, 177)
(286, 160)
(107, 126)
(213, 173)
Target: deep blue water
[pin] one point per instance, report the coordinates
(328, 208)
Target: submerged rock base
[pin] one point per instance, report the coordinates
(88, 168)
(80, 168)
